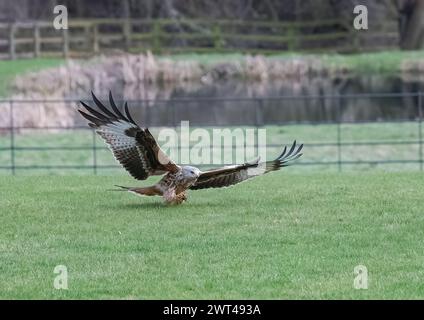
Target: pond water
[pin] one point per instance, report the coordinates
(232, 102)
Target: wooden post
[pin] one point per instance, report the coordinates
(420, 129)
(95, 38)
(339, 133)
(65, 35)
(12, 45)
(259, 113)
(292, 41)
(12, 139)
(156, 37)
(355, 40)
(87, 36)
(217, 38)
(36, 40)
(127, 33)
(94, 137)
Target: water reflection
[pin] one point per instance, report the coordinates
(307, 100)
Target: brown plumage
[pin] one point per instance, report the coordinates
(138, 152)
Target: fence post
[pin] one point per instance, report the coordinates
(217, 37)
(420, 129)
(12, 139)
(94, 151)
(36, 40)
(127, 33)
(95, 38)
(259, 122)
(65, 37)
(259, 116)
(157, 37)
(355, 41)
(88, 38)
(174, 118)
(12, 45)
(292, 39)
(339, 135)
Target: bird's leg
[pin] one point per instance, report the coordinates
(172, 198)
(181, 197)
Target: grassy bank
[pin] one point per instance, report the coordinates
(280, 236)
(9, 69)
(361, 63)
(375, 62)
(379, 62)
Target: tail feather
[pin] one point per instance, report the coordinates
(122, 188)
(147, 191)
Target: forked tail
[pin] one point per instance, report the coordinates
(146, 191)
(122, 188)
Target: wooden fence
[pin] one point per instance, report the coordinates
(90, 37)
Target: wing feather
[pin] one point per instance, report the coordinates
(227, 176)
(115, 108)
(128, 114)
(135, 148)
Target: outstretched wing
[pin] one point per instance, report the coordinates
(135, 148)
(227, 176)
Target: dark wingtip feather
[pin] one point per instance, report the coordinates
(94, 120)
(291, 149)
(94, 112)
(284, 160)
(127, 112)
(292, 158)
(102, 107)
(115, 108)
(300, 148)
(294, 155)
(282, 153)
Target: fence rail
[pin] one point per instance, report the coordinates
(11, 137)
(89, 37)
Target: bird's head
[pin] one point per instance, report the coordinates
(191, 172)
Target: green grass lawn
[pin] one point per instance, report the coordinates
(277, 136)
(283, 235)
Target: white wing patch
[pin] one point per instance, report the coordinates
(125, 148)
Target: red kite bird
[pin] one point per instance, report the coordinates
(138, 152)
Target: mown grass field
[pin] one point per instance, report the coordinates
(293, 234)
(283, 235)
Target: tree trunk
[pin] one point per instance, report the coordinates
(412, 35)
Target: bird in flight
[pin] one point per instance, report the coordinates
(138, 152)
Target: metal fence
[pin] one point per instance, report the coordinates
(13, 151)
